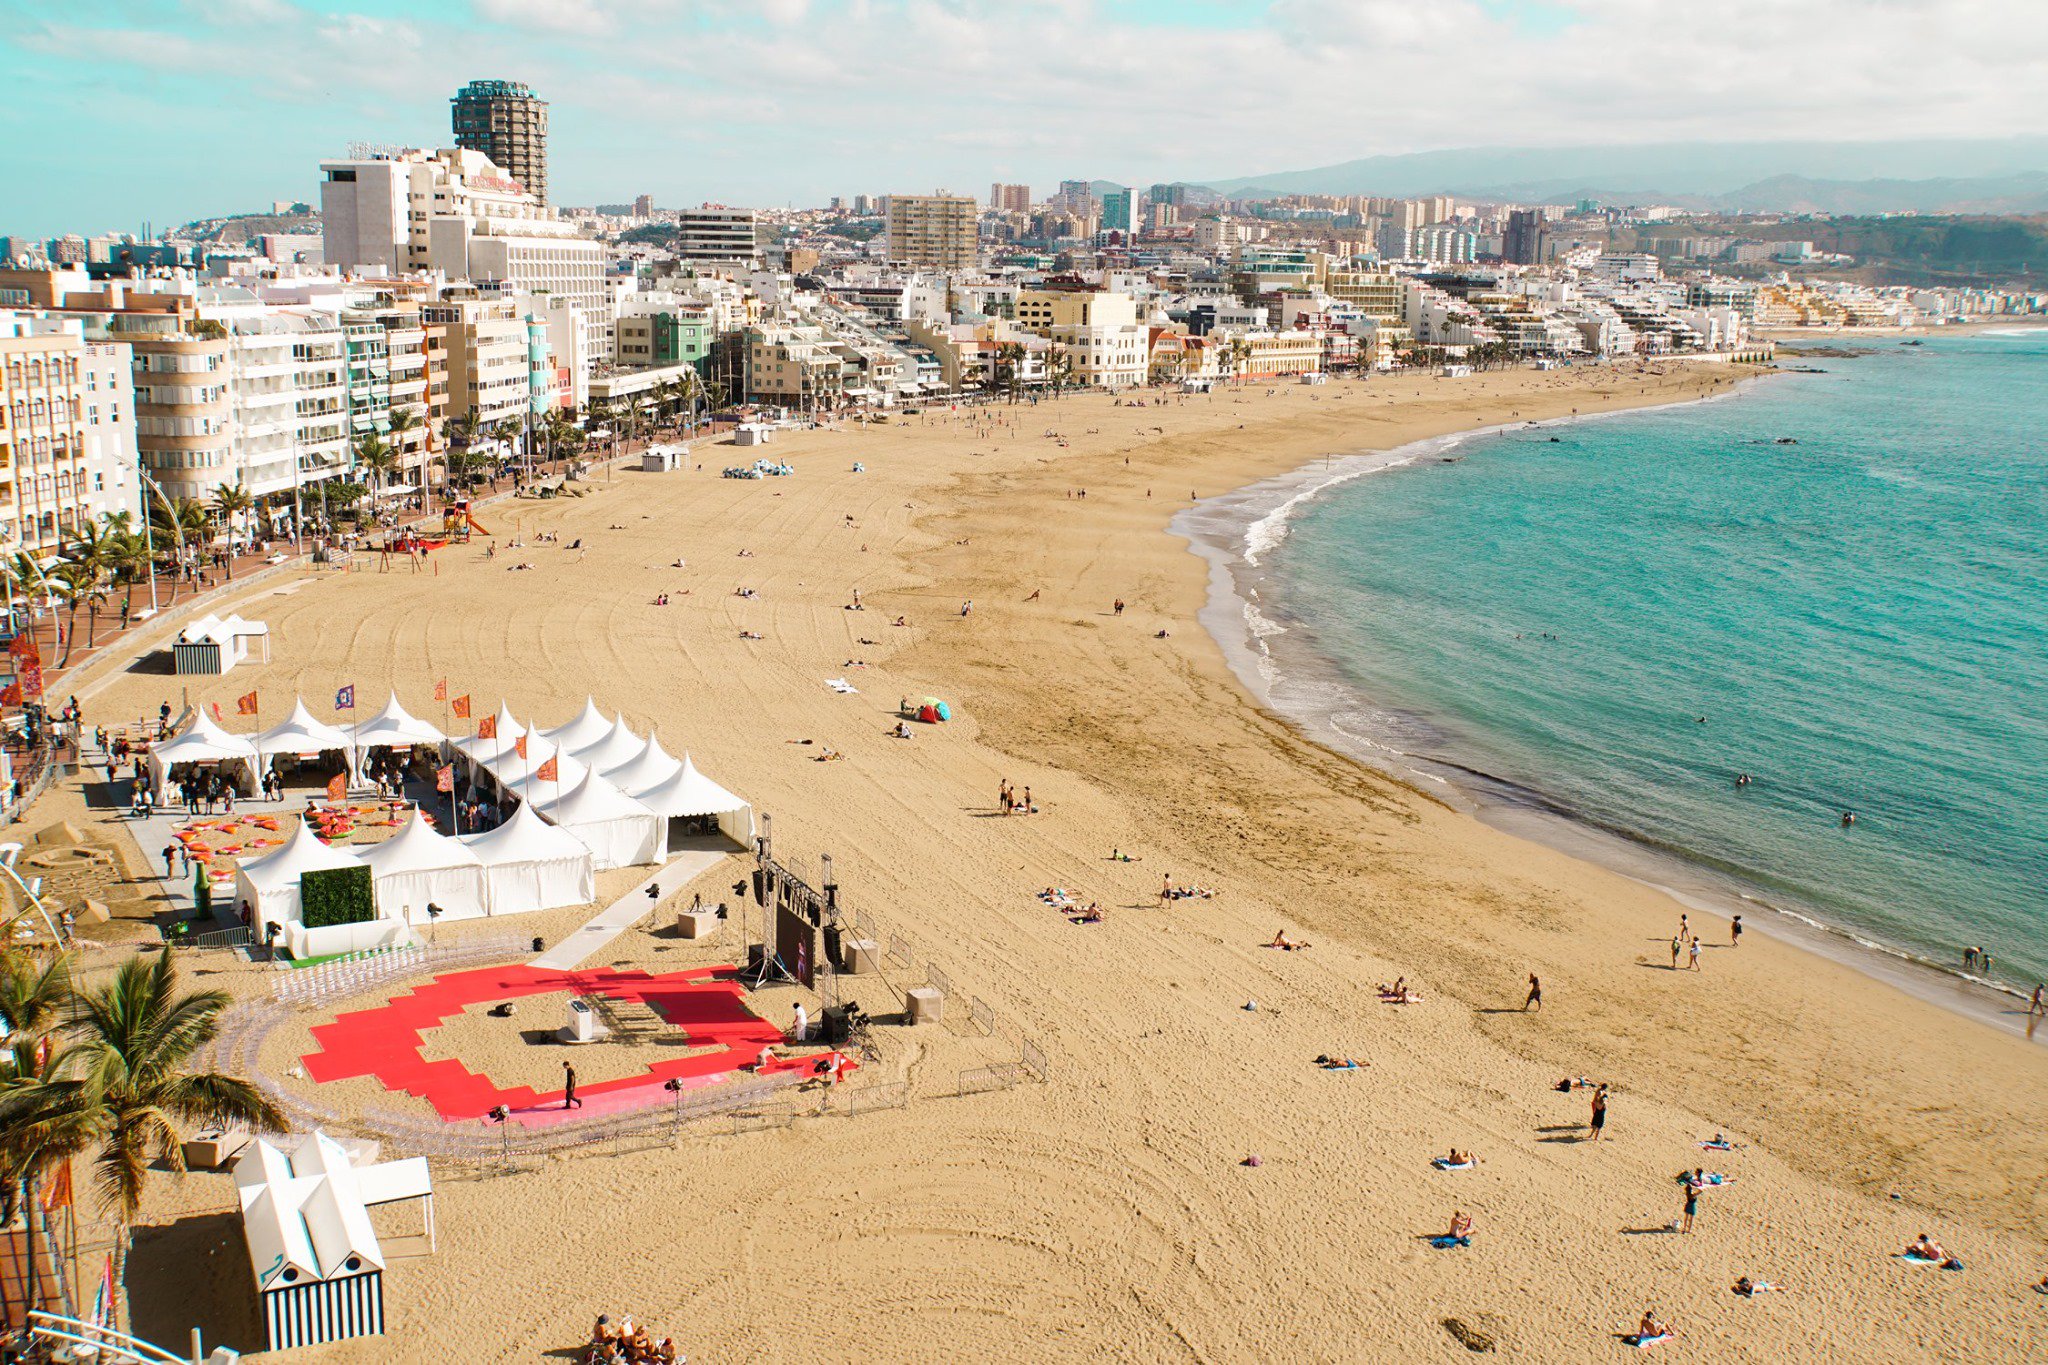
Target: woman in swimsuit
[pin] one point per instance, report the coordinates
(1599, 1111)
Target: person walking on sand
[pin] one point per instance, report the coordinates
(1735, 932)
(1693, 954)
(2037, 1005)
(1599, 1111)
(569, 1099)
(1119, 606)
(1677, 947)
(1692, 1206)
(1535, 1000)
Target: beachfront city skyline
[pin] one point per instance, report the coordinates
(1060, 680)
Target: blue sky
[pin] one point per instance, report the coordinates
(117, 111)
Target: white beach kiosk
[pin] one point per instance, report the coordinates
(419, 866)
(306, 1214)
(270, 887)
(215, 644)
(201, 740)
(531, 865)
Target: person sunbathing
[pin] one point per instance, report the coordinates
(1092, 915)
(1461, 1228)
(1925, 1247)
(1650, 1328)
(1338, 1063)
(1749, 1288)
(1458, 1158)
(1396, 993)
(1284, 943)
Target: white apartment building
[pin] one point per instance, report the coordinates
(456, 212)
(716, 235)
(67, 431)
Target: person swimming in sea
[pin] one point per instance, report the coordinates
(1848, 818)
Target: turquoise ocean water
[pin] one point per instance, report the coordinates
(1861, 619)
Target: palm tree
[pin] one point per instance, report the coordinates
(404, 421)
(373, 454)
(72, 584)
(130, 562)
(33, 993)
(181, 522)
(92, 552)
(1059, 367)
(119, 1088)
(231, 500)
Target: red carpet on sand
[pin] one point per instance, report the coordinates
(385, 1042)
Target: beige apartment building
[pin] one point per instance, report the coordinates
(798, 366)
(932, 231)
(67, 431)
(1096, 330)
(487, 358)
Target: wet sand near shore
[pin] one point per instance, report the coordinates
(1106, 1212)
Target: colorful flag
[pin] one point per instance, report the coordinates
(519, 746)
(216, 711)
(487, 728)
(103, 1297)
(444, 778)
(246, 705)
(549, 771)
(337, 790)
(57, 1194)
(28, 676)
(460, 706)
(441, 690)
(345, 698)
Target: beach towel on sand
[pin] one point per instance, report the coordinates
(1443, 1165)
(1913, 1258)
(1447, 1243)
(1639, 1341)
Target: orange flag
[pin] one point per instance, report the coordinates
(460, 706)
(246, 705)
(441, 690)
(519, 746)
(548, 771)
(337, 790)
(487, 728)
(57, 1194)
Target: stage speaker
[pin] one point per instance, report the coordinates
(834, 1025)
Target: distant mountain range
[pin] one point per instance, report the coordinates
(2007, 175)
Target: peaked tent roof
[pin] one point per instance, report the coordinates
(301, 733)
(616, 745)
(304, 1213)
(395, 725)
(587, 728)
(525, 838)
(591, 800)
(418, 847)
(302, 853)
(202, 741)
(650, 767)
(688, 792)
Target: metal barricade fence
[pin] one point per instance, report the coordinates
(900, 952)
(981, 1079)
(979, 1013)
(1032, 1059)
(939, 980)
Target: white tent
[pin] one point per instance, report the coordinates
(619, 831)
(301, 733)
(520, 776)
(480, 750)
(649, 767)
(270, 886)
(688, 795)
(587, 728)
(418, 865)
(531, 865)
(202, 741)
(615, 746)
(393, 727)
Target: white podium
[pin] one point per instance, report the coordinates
(584, 1026)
